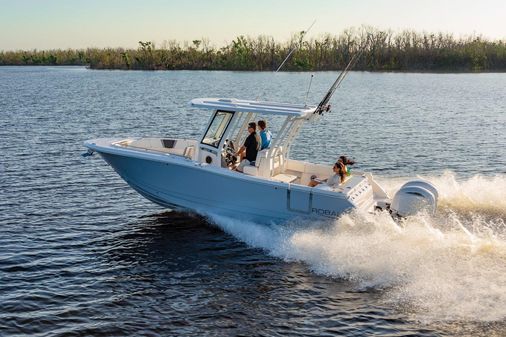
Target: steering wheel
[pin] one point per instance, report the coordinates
(229, 152)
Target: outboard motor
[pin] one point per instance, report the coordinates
(414, 196)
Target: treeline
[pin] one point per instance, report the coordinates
(385, 51)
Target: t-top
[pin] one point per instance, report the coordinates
(251, 146)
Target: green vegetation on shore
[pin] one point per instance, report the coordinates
(386, 51)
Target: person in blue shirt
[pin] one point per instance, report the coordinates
(265, 135)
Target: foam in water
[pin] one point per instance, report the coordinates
(447, 267)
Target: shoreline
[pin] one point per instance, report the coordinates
(381, 51)
(410, 71)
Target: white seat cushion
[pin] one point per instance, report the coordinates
(285, 178)
(251, 170)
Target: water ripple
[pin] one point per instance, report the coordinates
(81, 254)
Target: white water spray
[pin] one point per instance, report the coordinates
(448, 267)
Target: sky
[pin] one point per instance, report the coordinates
(61, 24)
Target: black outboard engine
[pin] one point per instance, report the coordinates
(414, 196)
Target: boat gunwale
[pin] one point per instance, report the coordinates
(179, 160)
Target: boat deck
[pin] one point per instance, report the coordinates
(283, 170)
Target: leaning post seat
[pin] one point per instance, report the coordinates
(265, 165)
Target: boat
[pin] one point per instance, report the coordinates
(195, 174)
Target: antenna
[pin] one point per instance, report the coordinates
(307, 93)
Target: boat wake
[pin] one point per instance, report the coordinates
(445, 267)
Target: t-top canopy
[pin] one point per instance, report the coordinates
(232, 104)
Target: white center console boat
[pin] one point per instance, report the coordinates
(195, 174)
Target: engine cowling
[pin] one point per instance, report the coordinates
(413, 197)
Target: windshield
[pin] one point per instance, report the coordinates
(217, 128)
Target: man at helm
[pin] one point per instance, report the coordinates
(248, 152)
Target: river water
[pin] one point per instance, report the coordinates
(81, 254)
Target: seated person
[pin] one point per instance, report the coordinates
(334, 180)
(265, 135)
(346, 162)
(248, 152)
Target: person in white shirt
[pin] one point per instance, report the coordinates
(335, 179)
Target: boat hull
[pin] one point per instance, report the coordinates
(177, 182)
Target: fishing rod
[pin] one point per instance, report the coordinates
(323, 106)
(303, 33)
(297, 46)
